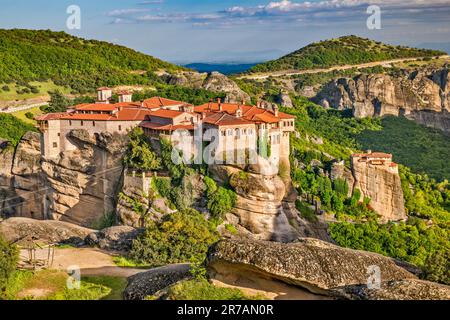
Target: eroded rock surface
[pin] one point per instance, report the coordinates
(320, 267)
(258, 212)
(148, 283)
(22, 187)
(422, 95)
(15, 229)
(83, 184)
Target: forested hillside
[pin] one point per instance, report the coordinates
(327, 134)
(346, 50)
(27, 55)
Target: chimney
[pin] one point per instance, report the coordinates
(369, 151)
(239, 112)
(125, 96)
(275, 110)
(104, 94)
(203, 115)
(243, 101)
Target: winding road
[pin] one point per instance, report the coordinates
(260, 76)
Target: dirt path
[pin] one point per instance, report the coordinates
(336, 68)
(90, 261)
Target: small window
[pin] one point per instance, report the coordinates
(70, 122)
(55, 145)
(81, 123)
(120, 128)
(93, 123)
(59, 134)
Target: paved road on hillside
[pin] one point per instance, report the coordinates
(260, 76)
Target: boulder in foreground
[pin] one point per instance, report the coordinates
(319, 267)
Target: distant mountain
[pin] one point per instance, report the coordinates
(222, 68)
(346, 50)
(27, 55)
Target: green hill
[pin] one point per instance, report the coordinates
(346, 50)
(40, 55)
(424, 150)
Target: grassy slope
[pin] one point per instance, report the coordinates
(422, 149)
(44, 87)
(27, 55)
(12, 128)
(342, 51)
(52, 285)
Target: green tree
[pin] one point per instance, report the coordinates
(221, 202)
(140, 155)
(179, 237)
(9, 257)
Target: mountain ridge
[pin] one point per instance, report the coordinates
(341, 51)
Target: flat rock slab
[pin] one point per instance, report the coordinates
(46, 231)
(310, 263)
(150, 282)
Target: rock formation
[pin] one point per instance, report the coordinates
(22, 188)
(214, 81)
(422, 95)
(378, 181)
(218, 82)
(14, 229)
(319, 267)
(117, 238)
(258, 212)
(148, 283)
(82, 184)
(284, 99)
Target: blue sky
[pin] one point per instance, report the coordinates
(227, 30)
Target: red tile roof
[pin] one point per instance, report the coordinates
(224, 119)
(95, 107)
(50, 116)
(126, 114)
(373, 155)
(158, 102)
(163, 113)
(170, 127)
(251, 113)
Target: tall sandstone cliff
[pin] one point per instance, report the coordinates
(380, 183)
(79, 186)
(423, 96)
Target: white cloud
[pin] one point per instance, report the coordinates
(125, 12)
(285, 11)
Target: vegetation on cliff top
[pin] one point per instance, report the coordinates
(12, 128)
(83, 65)
(424, 150)
(347, 50)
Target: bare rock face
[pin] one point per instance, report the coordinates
(258, 212)
(22, 188)
(117, 238)
(409, 289)
(82, 184)
(214, 81)
(382, 185)
(15, 229)
(422, 95)
(127, 215)
(319, 267)
(218, 82)
(284, 100)
(148, 283)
